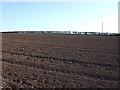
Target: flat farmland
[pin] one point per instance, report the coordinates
(35, 60)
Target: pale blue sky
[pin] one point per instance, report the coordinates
(56, 16)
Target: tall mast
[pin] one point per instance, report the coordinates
(102, 27)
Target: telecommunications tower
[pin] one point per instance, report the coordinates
(102, 27)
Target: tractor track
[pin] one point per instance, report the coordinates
(74, 61)
(66, 48)
(89, 75)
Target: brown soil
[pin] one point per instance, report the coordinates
(59, 61)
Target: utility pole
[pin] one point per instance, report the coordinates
(102, 27)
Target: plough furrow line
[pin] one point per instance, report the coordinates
(74, 61)
(89, 75)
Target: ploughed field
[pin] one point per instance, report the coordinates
(59, 61)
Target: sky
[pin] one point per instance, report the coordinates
(60, 16)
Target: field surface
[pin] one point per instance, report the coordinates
(59, 61)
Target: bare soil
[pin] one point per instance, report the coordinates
(59, 61)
